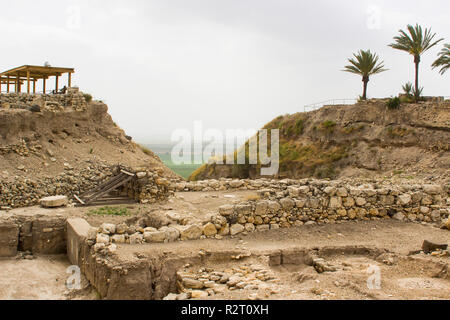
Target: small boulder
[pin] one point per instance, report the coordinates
(156, 236)
(54, 202)
(236, 229)
(136, 238)
(209, 230)
(108, 228)
(399, 216)
(118, 238)
(192, 232)
(102, 238)
(446, 224)
(172, 234)
(226, 210)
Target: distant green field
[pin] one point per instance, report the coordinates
(183, 170)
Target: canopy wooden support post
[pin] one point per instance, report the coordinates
(28, 82)
(7, 84)
(56, 84)
(34, 86)
(69, 82)
(18, 83)
(44, 85)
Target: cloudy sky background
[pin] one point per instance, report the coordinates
(160, 65)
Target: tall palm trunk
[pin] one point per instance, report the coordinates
(416, 92)
(365, 81)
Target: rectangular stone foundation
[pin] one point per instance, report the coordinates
(9, 238)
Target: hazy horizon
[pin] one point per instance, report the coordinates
(161, 65)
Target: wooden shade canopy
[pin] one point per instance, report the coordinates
(31, 74)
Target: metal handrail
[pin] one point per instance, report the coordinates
(318, 105)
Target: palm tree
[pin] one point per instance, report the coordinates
(416, 43)
(444, 59)
(365, 64)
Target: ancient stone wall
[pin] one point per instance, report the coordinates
(73, 98)
(148, 187)
(285, 204)
(326, 202)
(43, 234)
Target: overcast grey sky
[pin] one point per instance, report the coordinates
(162, 64)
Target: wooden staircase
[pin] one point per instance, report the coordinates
(102, 192)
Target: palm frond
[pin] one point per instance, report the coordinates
(416, 42)
(365, 63)
(444, 59)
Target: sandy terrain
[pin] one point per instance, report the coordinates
(43, 278)
(402, 277)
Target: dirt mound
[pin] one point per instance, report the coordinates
(45, 143)
(50, 142)
(366, 140)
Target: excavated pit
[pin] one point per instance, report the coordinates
(309, 262)
(174, 272)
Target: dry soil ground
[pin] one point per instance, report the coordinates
(402, 277)
(43, 278)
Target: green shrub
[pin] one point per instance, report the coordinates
(328, 126)
(418, 93)
(109, 211)
(299, 126)
(393, 103)
(87, 97)
(408, 89)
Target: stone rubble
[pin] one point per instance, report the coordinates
(209, 282)
(24, 192)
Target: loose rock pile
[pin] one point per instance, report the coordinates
(148, 187)
(27, 192)
(208, 282)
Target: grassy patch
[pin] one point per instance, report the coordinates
(398, 132)
(288, 125)
(351, 129)
(328, 126)
(109, 211)
(146, 150)
(393, 103)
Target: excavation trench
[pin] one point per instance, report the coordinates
(150, 272)
(200, 270)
